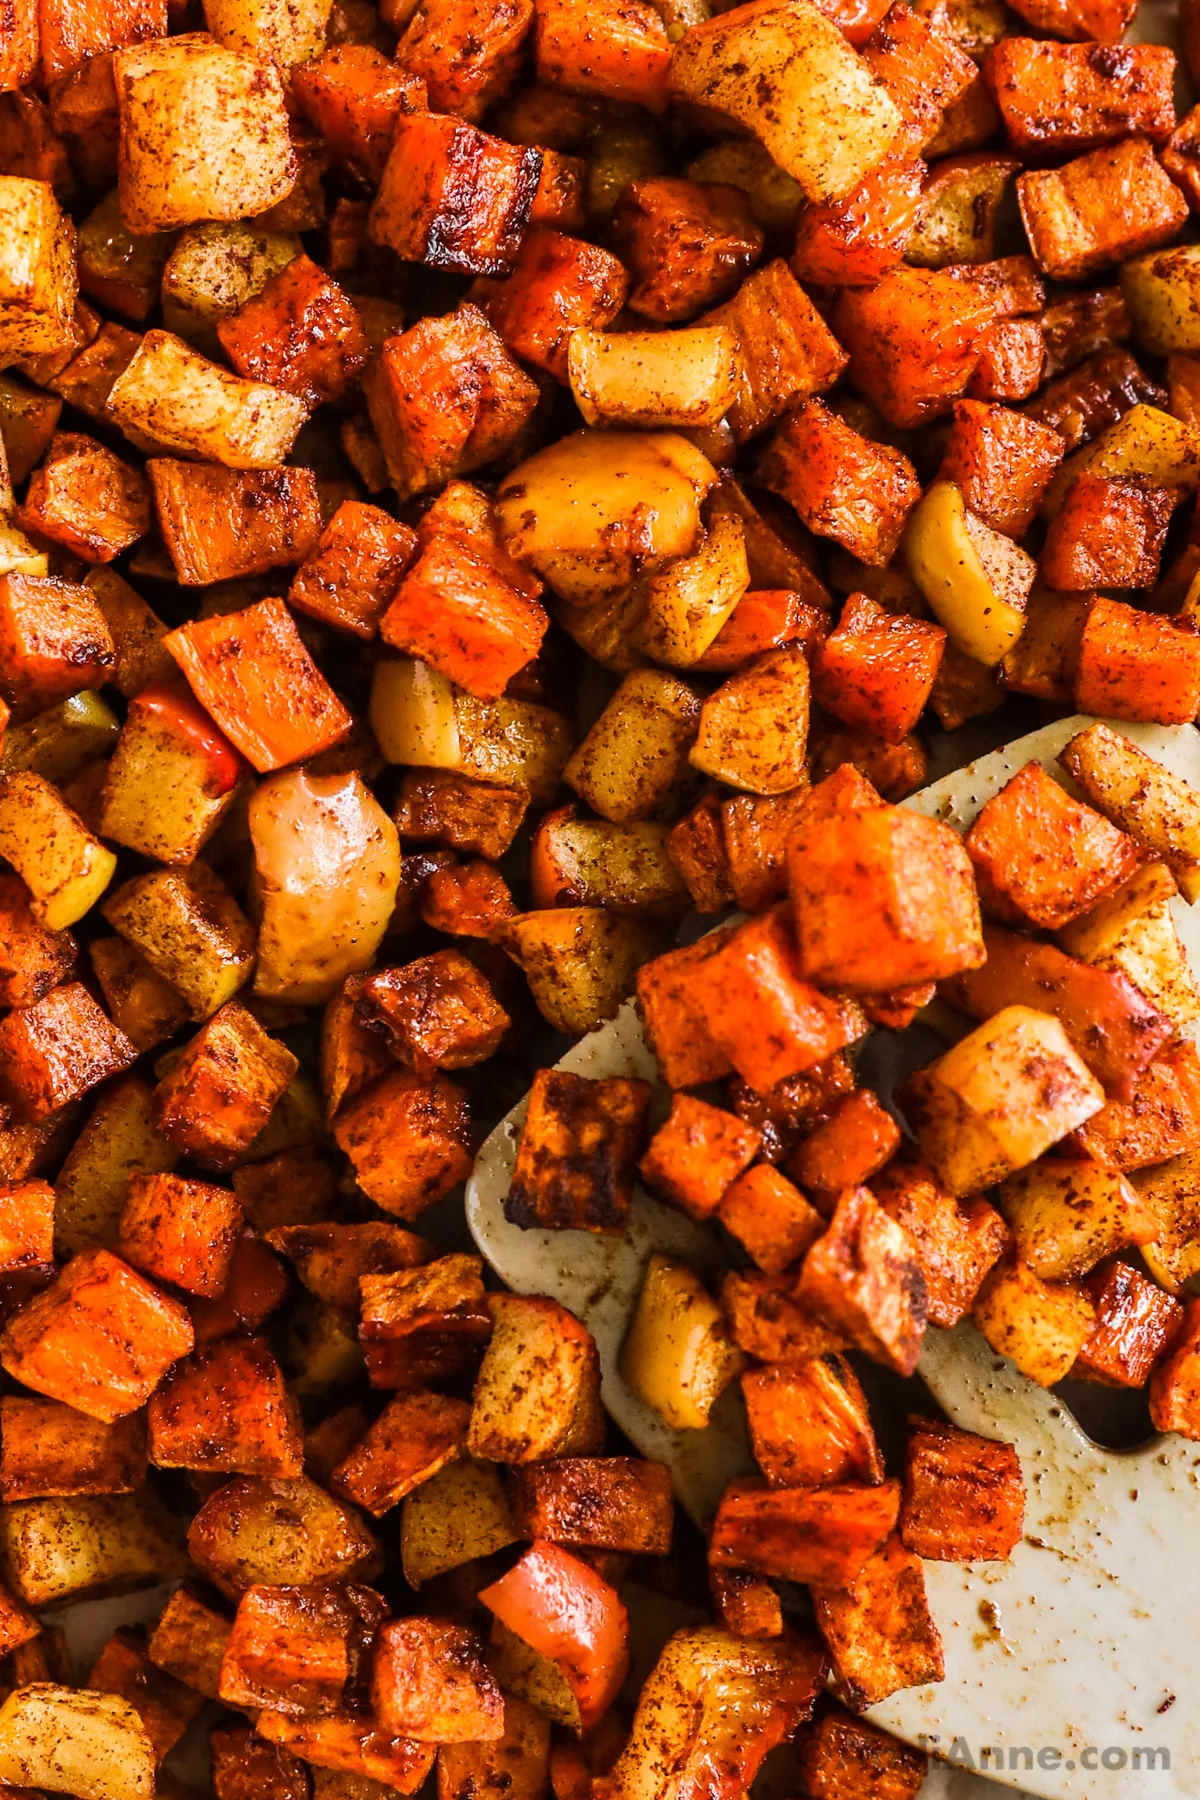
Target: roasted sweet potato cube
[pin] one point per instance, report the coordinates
(257, 1284)
(697, 1153)
(331, 1258)
(354, 94)
(300, 333)
(219, 1095)
(1041, 1326)
(86, 499)
(1003, 461)
(616, 52)
(452, 196)
(558, 283)
(1094, 394)
(596, 1503)
(1160, 1119)
(841, 1757)
(295, 1650)
(864, 1277)
(352, 1743)
(1062, 99)
(1137, 665)
(809, 1424)
(746, 1605)
(223, 524)
(848, 1147)
(685, 245)
(470, 611)
(675, 1017)
(877, 670)
(189, 1641)
(754, 830)
(54, 641)
(54, 1051)
(251, 671)
(884, 898)
(431, 1683)
(33, 958)
(1104, 20)
(956, 1241)
(470, 900)
(822, 1536)
(99, 1338)
(245, 1767)
(441, 806)
(855, 240)
(414, 1437)
(1044, 857)
(1136, 1322)
(842, 485)
(165, 1706)
(786, 351)
(26, 1225)
(1107, 533)
(880, 1632)
(439, 1012)
(537, 1394)
(1099, 209)
(770, 1217)
(466, 55)
(577, 1155)
(349, 579)
(921, 67)
(696, 848)
(1175, 1383)
(964, 1500)
(278, 1534)
(226, 1408)
(407, 1139)
(48, 1449)
(423, 1324)
(180, 1231)
(914, 340)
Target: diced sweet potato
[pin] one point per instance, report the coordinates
(841, 1757)
(49, 1449)
(470, 611)
(99, 1338)
(823, 1536)
(864, 1277)
(1135, 665)
(847, 1148)
(1108, 533)
(1012, 353)
(1002, 460)
(786, 351)
(537, 1394)
(226, 1408)
(697, 1153)
(1175, 1383)
(577, 1155)
(1093, 395)
(214, 1102)
(842, 485)
(296, 1650)
(922, 69)
(257, 1284)
(436, 1013)
(755, 829)
(331, 1258)
(809, 1424)
(180, 1231)
(616, 51)
(407, 1139)
(675, 1017)
(770, 1217)
(881, 1634)
(33, 958)
(353, 1743)
(300, 333)
(430, 1682)
(763, 619)
(441, 806)
(1136, 1322)
(452, 196)
(472, 900)
(885, 898)
(1160, 1119)
(853, 241)
(964, 1500)
(55, 1050)
(54, 641)
(354, 94)
(222, 524)
(876, 671)
(467, 55)
(189, 1641)
(415, 1436)
(746, 1605)
(423, 1324)
(596, 1503)
(685, 245)
(557, 284)
(349, 578)
(914, 339)
(86, 499)
(768, 1322)
(445, 398)
(245, 1766)
(165, 1706)
(1099, 209)
(1063, 99)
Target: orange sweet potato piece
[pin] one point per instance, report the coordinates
(251, 671)
(50, 1449)
(1044, 857)
(467, 52)
(557, 284)
(246, 1767)
(300, 333)
(1175, 1384)
(686, 244)
(822, 1536)
(848, 1147)
(227, 1409)
(438, 1012)
(354, 94)
(922, 69)
(216, 1099)
(842, 485)
(430, 1682)
(438, 806)
(746, 1605)
(407, 1139)
(445, 397)
(913, 339)
(561, 193)
(1012, 354)
(694, 1156)
(423, 1324)
(809, 1424)
(99, 1338)
(964, 1500)
(1160, 1119)
(577, 1155)
(877, 669)
(1138, 666)
(1136, 1323)
(26, 1226)
(353, 1743)
(852, 242)
(880, 1632)
(296, 1650)
(331, 1257)
(55, 1050)
(1108, 533)
(165, 1706)
(864, 1277)
(33, 958)
(842, 1757)
(763, 619)
(256, 1285)
(452, 196)
(471, 900)
(675, 1017)
(1181, 158)
(349, 578)
(770, 1217)
(1063, 99)
(956, 1241)
(414, 1437)
(222, 524)
(1093, 395)
(1099, 209)
(86, 499)
(54, 641)
(786, 351)
(756, 829)
(596, 1503)
(884, 898)
(768, 1322)
(19, 46)
(1104, 20)
(696, 847)
(468, 609)
(180, 1231)
(1002, 460)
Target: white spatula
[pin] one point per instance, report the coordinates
(1085, 1646)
